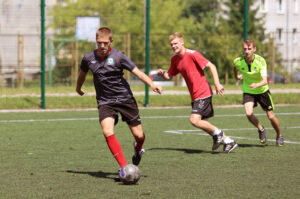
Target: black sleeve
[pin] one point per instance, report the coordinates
(125, 62)
(84, 65)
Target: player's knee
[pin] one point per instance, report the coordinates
(195, 120)
(107, 133)
(271, 117)
(139, 136)
(249, 115)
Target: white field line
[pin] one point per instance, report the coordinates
(191, 132)
(166, 92)
(145, 117)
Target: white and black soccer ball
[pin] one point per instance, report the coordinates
(129, 174)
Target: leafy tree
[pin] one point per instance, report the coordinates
(127, 16)
(222, 31)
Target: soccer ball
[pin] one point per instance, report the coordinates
(129, 174)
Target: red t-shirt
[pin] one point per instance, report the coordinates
(191, 67)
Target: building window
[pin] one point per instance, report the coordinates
(294, 36)
(263, 5)
(280, 6)
(296, 6)
(279, 35)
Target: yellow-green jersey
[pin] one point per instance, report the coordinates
(252, 73)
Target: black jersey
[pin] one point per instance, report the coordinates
(109, 83)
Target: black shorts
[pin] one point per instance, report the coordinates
(203, 107)
(264, 99)
(128, 110)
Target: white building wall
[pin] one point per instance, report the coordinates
(284, 15)
(21, 17)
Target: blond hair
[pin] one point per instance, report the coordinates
(174, 36)
(249, 42)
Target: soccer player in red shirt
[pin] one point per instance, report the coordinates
(190, 64)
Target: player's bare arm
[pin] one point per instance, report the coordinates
(263, 82)
(214, 73)
(144, 78)
(164, 74)
(80, 81)
(237, 75)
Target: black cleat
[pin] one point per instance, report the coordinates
(137, 156)
(229, 147)
(217, 141)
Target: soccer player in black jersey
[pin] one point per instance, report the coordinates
(113, 93)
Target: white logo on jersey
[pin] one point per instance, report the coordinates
(110, 61)
(190, 51)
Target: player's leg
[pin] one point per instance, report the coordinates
(202, 109)
(250, 115)
(130, 114)
(139, 137)
(107, 124)
(249, 103)
(266, 102)
(275, 122)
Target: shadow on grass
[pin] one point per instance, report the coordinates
(252, 145)
(97, 174)
(101, 174)
(189, 151)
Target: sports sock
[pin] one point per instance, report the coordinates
(217, 132)
(116, 150)
(139, 143)
(227, 140)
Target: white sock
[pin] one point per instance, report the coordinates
(217, 132)
(227, 140)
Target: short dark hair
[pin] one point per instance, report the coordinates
(103, 32)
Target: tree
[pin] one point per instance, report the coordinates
(127, 16)
(222, 31)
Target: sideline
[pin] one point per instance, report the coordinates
(142, 117)
(141, 108)
(190, 132)
(136, 93)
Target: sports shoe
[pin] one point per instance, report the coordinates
(229, 147)
(262, 135)
(279, 141)
(217, 140)
(137, 156)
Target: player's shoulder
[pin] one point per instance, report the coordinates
(258, 57)
(238, 60)
(189, 51)
(90, 55)
(114, 50)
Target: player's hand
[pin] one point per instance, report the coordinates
(253, 86)
(80, 92)
(157, 89)
(219, 89)
(160, 72)
(240, 77)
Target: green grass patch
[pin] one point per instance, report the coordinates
(155, 100)
(64, 155)
(90, 88)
